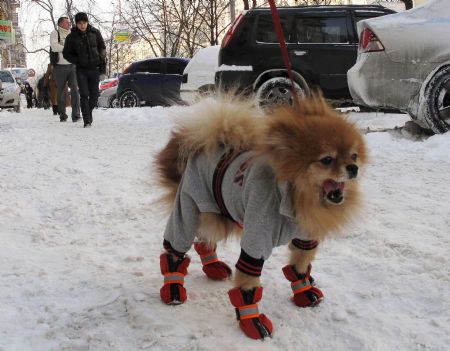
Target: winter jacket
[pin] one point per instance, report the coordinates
(57, 43)
(86, 49)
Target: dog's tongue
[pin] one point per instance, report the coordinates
(330, 185)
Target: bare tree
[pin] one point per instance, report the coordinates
(177, 27)
(213, 18)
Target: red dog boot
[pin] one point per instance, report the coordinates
(174, 269)
(305, 294)
(253, 324)
(212, 266)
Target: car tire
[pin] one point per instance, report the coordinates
(112, 103)
(277, 91)
(129, 99)
(435, 107)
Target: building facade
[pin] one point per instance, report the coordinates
(12, 49)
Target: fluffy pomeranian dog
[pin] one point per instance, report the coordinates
(288, 177)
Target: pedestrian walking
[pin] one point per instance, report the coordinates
(29, 95)
(85, 48)
(64, 72)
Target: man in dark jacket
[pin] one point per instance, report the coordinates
(85, 48)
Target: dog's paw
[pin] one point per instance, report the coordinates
(214, 268)
(251, 322)
(174, 269)
(305, 294)
(217, 271)
(308, 298)
(173, 294)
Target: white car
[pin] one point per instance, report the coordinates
(108, 98)
(9, 91)
(198, 75)
(404, 64)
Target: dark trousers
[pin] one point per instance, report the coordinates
(88, 87)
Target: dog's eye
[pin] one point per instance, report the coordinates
(354, 157)
(327, 160)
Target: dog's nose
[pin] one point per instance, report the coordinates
(352, 171)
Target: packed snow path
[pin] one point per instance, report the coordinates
(81, 238)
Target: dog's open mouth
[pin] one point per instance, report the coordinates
(333, 191)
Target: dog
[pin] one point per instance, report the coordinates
(287, 177)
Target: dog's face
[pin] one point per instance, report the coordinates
(319, 152)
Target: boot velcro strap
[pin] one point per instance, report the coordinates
(247, 312)
(208, 258)
(174, 278)
(301, 285)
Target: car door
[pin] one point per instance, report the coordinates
(324, 50)
(173, 70)
(147, 81)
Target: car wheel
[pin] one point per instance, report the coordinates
(435, 108)
(113, 101)
(129, 99)
(277, 91)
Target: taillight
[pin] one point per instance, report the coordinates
(231, 30)
(185, 78)
(369, 42)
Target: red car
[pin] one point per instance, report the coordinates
(108, 83)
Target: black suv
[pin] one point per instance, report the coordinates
(322, 42)
(151, 82)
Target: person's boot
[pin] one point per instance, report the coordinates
(63, 118)
(55, 110)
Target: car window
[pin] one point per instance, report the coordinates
(141, 67)
(175, 67)
(154, 66)
(6, 77)
(320, 30)
(265, 32)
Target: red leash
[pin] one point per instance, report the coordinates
(281, 39)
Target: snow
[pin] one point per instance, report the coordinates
(81, 237)
(234, 68)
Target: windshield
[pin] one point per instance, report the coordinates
(6, 77)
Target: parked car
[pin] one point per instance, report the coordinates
(322, 43)
(404, 64)
(108, 98)
(198, 76)
(151, 82)
(9, 91)
(108, 83)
